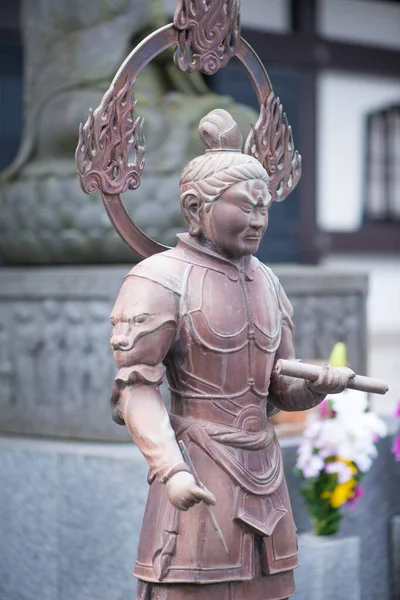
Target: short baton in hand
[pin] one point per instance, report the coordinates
(193, 471)
(295, 368)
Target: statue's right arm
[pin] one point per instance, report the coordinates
(144, 319)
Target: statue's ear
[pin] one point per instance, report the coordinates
(192, 213)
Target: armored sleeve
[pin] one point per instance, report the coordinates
(289, 393)
(144, 321)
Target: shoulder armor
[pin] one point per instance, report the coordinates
(283, 301)
(164, 268)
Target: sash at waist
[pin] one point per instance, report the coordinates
(213, 439)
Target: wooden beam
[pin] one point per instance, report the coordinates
(311, 52)
(303, 16)
(307, 186)
(380, 238)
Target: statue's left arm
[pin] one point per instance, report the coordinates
(292, 394)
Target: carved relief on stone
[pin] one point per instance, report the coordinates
(100, 365)
(209, 34)
(321, 322)
(51, 353)
(28, 342)
(75, 371)
(6, 370)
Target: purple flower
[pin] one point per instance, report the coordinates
(397, 411)
(324, 408)
(396, 447)
(358, 493)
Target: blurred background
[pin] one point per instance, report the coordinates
(335, 244)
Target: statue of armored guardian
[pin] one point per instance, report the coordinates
(215, 320)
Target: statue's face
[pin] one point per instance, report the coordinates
(237, 221)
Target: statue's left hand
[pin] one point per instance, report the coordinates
(332, 380)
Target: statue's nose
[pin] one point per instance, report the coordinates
(119, 342)
(257, 222)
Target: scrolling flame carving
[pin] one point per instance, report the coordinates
(271, 142)
(110, 136)
(209, 34)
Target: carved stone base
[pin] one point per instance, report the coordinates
(56, 367)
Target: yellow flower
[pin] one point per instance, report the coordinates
(343, 491)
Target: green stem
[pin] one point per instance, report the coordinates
(321, 526)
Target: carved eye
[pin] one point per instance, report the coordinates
(139, 319)
(246, 209)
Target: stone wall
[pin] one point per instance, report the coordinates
(56, 367)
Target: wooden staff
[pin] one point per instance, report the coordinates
(294, 368)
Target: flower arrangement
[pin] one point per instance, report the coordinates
(339, 445)
(396, 441)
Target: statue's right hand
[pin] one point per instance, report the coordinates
(183, 492)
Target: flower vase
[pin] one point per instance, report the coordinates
(329, 567)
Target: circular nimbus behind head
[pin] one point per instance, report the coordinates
(102, 160)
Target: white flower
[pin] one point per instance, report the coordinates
(350, 403)
(343, 471)
(374, 424)
(350, 435)
(363, 462)
(308, 462)
(314, 467)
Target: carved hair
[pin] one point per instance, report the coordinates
(223, 164)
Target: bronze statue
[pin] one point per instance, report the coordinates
(214, 320)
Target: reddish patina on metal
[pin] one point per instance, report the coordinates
(209, 34)
(213, 320)
(102, 155)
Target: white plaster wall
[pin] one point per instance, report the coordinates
(268, 15)
(383, 313)
(344, 101)
(362, 21)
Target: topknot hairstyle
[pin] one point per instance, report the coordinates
(219, 132)
(223, 164)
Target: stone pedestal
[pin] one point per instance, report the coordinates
(70, 517)
(329, 568)
(56, 366)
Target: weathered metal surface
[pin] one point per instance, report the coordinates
(216, 320)
(209, 34)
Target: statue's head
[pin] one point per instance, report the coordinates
(224, 193)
